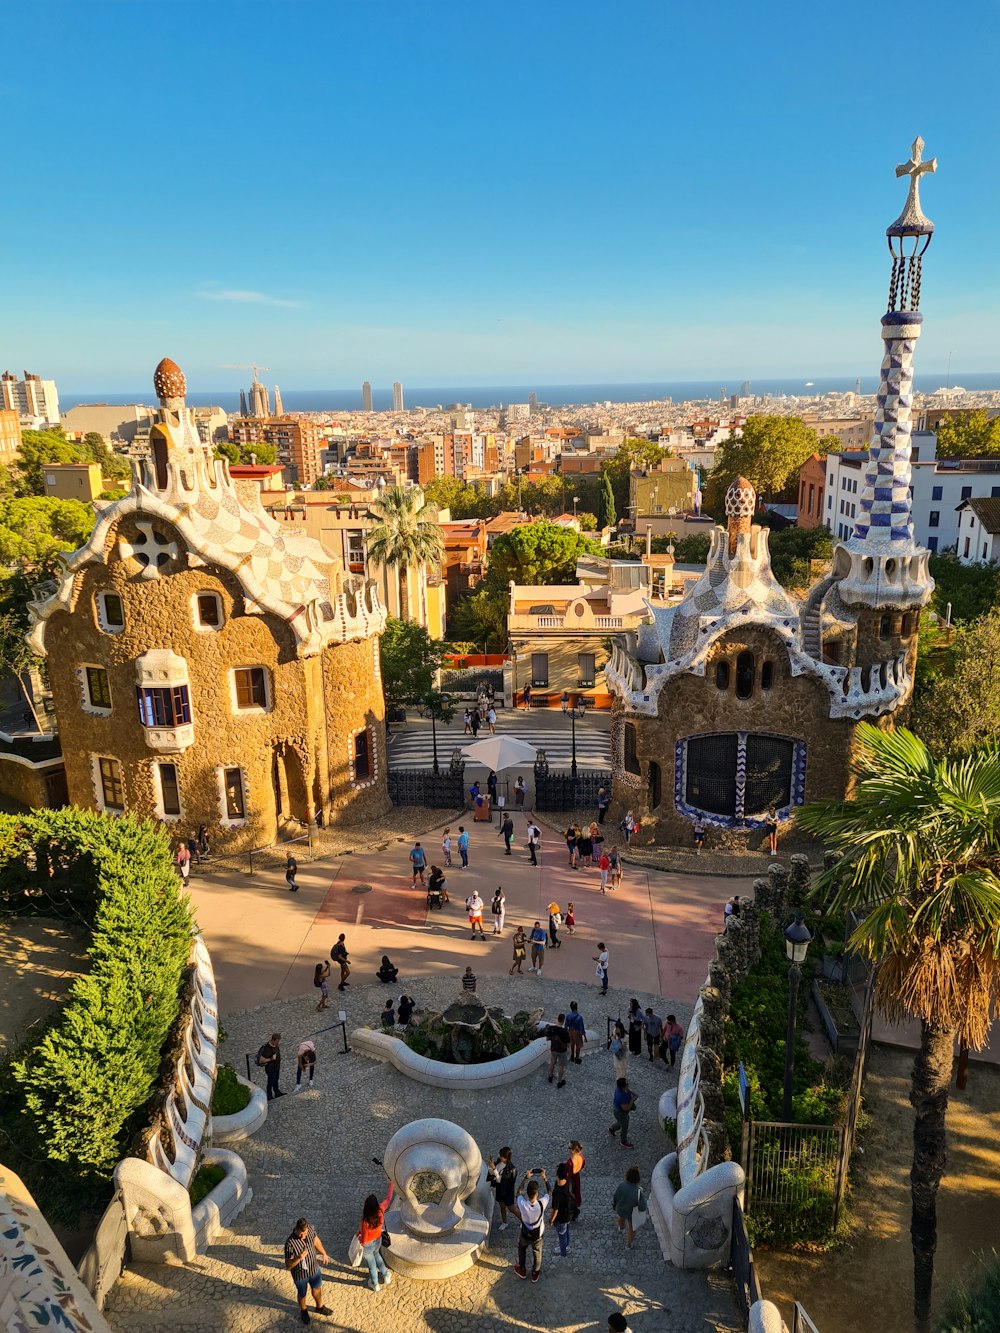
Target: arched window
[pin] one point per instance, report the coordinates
(767, 675)
(745, 667)
(722, 675)
(885, 627)
(655, 786)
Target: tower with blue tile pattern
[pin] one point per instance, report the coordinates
(880, 566)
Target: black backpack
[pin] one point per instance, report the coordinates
(558, 1039)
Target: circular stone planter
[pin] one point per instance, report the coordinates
(232, 1128)
(437, 1074)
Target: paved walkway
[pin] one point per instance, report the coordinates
(314, 1154)
(548, 729)
(266, 941)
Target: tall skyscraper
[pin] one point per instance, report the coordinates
(277, 402)
(243, 403)
(532, 402)
(366, 397)
(397, 396)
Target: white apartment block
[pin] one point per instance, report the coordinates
(35, 400)
(938, 487)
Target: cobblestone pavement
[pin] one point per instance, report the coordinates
(313, 1156)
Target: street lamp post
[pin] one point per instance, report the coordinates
(434, 738)
(797, 939)
(574, 713)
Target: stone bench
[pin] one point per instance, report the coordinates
(437, 1074)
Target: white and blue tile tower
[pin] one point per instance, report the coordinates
(880, 566)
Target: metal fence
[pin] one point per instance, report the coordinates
(561, 791)
(104, 1262)
(794, 1177)
(421, 786)
(801, 1323)
(741, 1262)
(466, 680)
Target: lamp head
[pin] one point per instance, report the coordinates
(798, 937)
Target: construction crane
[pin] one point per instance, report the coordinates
(254, 368)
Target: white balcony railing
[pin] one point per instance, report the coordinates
(608, 622)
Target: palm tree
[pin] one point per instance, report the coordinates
(401, 538)
(920, 845)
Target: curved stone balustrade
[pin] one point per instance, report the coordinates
(437, 1074)
(241, 1124)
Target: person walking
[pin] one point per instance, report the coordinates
(474, 906)
(192, 846)
(562, 1209)
(474, 722)
(437, 887)
(619, 1051)
(698, 829)
(291, 870)
(498, 907)
(520, 948)
(614, 869)
(534, 841)
(604, 865)
(537, 938)
(570, 918)
(575, 1162)
(304, 1252)
(446, 847)
(771, 824)
(571, 846)
(182, 860)
(624, 1104)
(653, 1024)
(466, 719)
(584, 847)
(577, 1033)
(602, 805)
(555, 921)
(601, 959)
(531, 1204)
(526, 698)
(519, 791)
(628, 826)
(204, 849)
(321, 980)
(731, 909)
(463, 846)
(673, 1038)
(636, 1027)
(370, 1236)
(338, 954)
(469, 980)
(491, 718)
(269, 1059)
(628, 1197)
(596, 844)
(305, 1063)
(503, 1178)
(557, 1035)
(507, 832)
(418, 860)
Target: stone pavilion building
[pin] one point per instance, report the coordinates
(739, 697)
(207, 665)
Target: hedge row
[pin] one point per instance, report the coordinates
(85, 1080)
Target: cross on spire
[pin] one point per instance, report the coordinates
(912, 220)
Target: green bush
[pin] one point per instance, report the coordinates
(975, 1309)
(230, 1095)
(84, 1081)
(205, 1180)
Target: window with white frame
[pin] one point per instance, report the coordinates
(96, 689)
(251, 689)
(110, 789)
(110, 612)
(208, 610)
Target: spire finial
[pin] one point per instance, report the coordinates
(912, 222)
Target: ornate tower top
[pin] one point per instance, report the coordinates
(741, 501)
(880, 565)
(169, 383)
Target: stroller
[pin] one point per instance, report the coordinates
(435, 894)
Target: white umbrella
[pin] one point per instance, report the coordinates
(499, 752)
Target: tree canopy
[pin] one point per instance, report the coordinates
(970, 590)
(42, 447)
(956, 705)
(538, 553)
(410, 658)
(969, 435)
(769, 452)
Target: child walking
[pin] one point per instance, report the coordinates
(321, 980)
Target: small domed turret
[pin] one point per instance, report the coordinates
(168, 381)
(741, 501)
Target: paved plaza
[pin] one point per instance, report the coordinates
(549, 729)
(314, 1154)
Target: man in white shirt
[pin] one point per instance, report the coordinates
(531, 1204)
(534, 839)
(601, 959)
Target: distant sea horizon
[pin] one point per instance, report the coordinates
(552, 395)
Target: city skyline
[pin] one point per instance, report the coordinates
(679, 229)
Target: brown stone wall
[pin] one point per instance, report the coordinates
(288, 742)
(797, 707)
(23, 784)
(353, 700)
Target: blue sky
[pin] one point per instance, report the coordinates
(454, 193)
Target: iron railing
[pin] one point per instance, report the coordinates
(741, 1262)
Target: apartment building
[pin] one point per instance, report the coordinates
(10, 436)
(979, 530)
(36, 401)
(298, 440)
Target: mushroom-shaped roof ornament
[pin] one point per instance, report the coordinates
(741, 501)
(168, 381)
